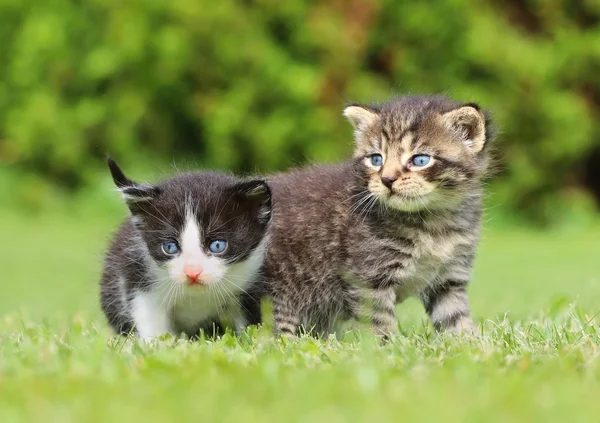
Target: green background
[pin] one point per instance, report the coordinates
(257, 86)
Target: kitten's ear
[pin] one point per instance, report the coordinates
(469, 124)
(256, 195)
(361, 117)
(133, 193)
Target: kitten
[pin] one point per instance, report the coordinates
(188, 256)
(400, 219)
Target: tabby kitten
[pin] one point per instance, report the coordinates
(400, 219)
(188, 256)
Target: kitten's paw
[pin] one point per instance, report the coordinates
(285, 336)
(464, 327)
(154, 338)
(148, 339)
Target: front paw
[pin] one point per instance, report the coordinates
(463, 326)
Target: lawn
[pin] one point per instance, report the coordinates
(534, 294)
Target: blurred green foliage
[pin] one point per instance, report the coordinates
(260, 85)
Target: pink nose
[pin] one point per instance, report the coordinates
(192, 272)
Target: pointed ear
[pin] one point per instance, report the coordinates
(256, 195)
(469, 123)
(132, 192)
(361, 117)
(117, 174)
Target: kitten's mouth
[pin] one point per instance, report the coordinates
(197, 284)
(407, 201)
(405, 196)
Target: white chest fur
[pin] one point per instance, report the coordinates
(213, 302)
(157, 311)
(172, 307)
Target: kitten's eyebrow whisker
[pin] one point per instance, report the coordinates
(163, 221)
(211, 229)
(175, 166)
(215, 219)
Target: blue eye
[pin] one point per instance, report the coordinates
(217, 246)
(170, 248)
(376, 159)
(421, 160)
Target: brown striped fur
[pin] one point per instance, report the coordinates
(341, 237)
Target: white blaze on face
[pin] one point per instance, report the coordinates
(192, 256)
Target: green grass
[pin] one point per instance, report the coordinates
(534, 294)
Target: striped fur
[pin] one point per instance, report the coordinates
(341, 237)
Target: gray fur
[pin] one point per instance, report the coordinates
(337, 241)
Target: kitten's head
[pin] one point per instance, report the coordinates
(421, 152)
(202, 228)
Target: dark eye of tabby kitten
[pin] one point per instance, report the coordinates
(400, 219)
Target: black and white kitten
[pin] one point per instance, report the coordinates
(188, 257)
